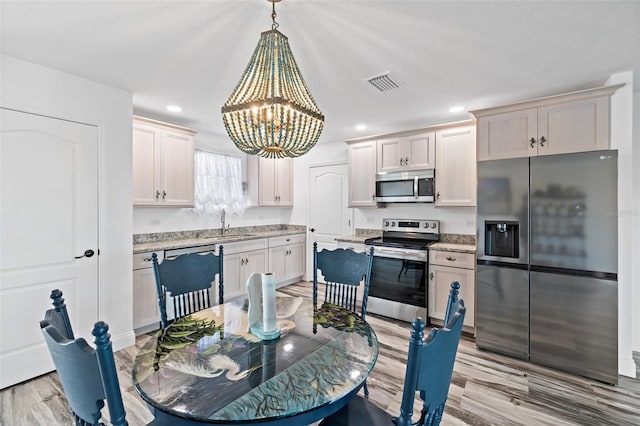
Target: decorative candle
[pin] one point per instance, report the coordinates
(269, 302)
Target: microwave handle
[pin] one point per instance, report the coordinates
(415, 186)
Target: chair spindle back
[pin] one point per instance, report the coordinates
(186, 280)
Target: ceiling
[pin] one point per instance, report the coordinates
(443, 53)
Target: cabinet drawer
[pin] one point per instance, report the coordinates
(454, 259)
(143, 260)
(244, 246)
(286, 240)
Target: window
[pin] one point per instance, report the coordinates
(218, 184)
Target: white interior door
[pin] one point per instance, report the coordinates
(48, 215)
(329, 216)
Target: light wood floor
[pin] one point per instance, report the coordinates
(486, 388)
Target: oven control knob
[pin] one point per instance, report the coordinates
(386, 223)
(433, 224)
(393, 224)
(426, 224)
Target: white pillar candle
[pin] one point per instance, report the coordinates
(269, 302)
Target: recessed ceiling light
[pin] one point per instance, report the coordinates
(456, 108)
(174, 108)
(361, 126)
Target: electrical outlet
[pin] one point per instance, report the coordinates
(470, 223)
(155, 221)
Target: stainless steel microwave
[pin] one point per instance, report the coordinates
(405, 187)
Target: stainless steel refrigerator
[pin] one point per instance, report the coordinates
(547, 261)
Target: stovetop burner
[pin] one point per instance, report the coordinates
(399, 243)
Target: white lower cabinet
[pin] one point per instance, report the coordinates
(445, 268)
(287, 258)
(241, 259)
(146, 314)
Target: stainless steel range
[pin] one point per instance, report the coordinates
(400, 267)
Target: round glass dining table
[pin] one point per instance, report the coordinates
(207, 369)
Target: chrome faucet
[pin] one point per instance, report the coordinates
(225, 227)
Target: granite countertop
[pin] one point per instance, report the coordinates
(183, 239)
(360, 236)
(358, 239)
(453, 247)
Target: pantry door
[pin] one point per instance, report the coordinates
(329, 216)
(49, 218)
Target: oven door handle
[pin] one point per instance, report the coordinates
(400, 254)
(415, 186)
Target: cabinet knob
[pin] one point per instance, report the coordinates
(542, 141)
(451, 259)
(157, 194)
(533, 142)
(164, 195)
(246, 261)
(406, 161)
(241, 261)
(438, 195)
(431, 276)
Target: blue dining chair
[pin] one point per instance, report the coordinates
(88, 376)
(429, 369)
(342, 270)
(186, 280)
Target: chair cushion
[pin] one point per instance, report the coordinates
(359, 411)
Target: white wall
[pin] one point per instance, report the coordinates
(621, 139)
(37, 89)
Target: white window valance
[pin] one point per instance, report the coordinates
(218, 184)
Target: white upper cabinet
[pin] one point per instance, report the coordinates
(413, 152)
(507, 135)
(270, 181)
(574, 126)
(456, 166)
(162, 164)
(574, 122)
(362, 174)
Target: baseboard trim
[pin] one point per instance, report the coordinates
(123, 341)
(627, 367)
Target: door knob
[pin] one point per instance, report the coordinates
(312, 229)
(87, 253)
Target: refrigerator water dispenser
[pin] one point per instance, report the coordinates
(501, 238)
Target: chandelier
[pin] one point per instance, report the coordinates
(271, 112)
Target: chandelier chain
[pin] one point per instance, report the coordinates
(275, 25)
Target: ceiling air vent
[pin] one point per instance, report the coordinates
(383, 82)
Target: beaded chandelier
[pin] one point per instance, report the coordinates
(271, 112)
